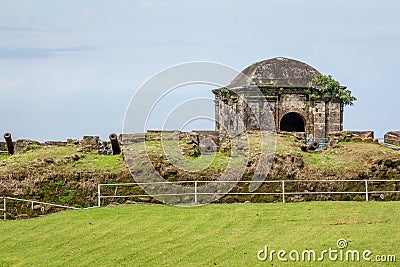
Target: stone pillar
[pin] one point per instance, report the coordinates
(319, 119)
(334, 117)
(217, 115)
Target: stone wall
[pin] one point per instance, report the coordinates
(355, 136)
(320, 117)
(334, 117)
(91, 144)
(190, 143)
(293, 103)
(392, 138)
(209, 141)
(243, 113)
(24, 144)
(3, 146)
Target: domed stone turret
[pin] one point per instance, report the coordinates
(276, 72)
(283, 83)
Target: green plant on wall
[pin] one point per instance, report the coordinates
(324, 86)
(229, 93)
(225, 92)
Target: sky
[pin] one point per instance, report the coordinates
(70, 68)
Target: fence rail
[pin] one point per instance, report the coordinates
(3, 201)
(284, 192)
(3, 210)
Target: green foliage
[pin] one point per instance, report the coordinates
(67, 196)
(3, 157)
(228, 93)
(217, 160)
(30, 148)
(324, 86)
(60, 183)
(97, 163)
(225, 92)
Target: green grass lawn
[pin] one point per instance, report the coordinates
(211, 235)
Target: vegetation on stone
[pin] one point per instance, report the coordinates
(324, 86)
(59, 175)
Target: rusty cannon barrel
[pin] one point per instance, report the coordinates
(114, 144)
(9, 142)
(314, 145)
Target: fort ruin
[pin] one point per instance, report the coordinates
(284, 83)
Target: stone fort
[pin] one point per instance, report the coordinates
(284, 84)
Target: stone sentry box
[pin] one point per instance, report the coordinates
(283, 82)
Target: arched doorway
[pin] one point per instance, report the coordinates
(292, 122)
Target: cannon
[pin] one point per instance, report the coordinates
(314, 145)
(9, 142)
(114, 144)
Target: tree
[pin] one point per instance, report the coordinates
(324, 86)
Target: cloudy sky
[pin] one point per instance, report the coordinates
(70, 68)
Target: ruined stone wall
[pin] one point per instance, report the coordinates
(325, 117)
(392, 138)
(237, 115)
(355, 136)
(334, 117)
(253, 113)
(91, 144)
(223, 115)
(320, 117)
(292, 103)
(3, 146)
(318, 112)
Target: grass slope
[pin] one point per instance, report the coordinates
(64, 160)
(220, 234)
(348, 157)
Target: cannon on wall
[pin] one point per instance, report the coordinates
(114, 144)
(9, 142)
(313, 146)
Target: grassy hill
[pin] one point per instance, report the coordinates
(212, 235)
(69, 175)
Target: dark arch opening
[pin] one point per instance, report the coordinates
(292, 122)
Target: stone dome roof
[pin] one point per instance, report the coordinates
(276, 72)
